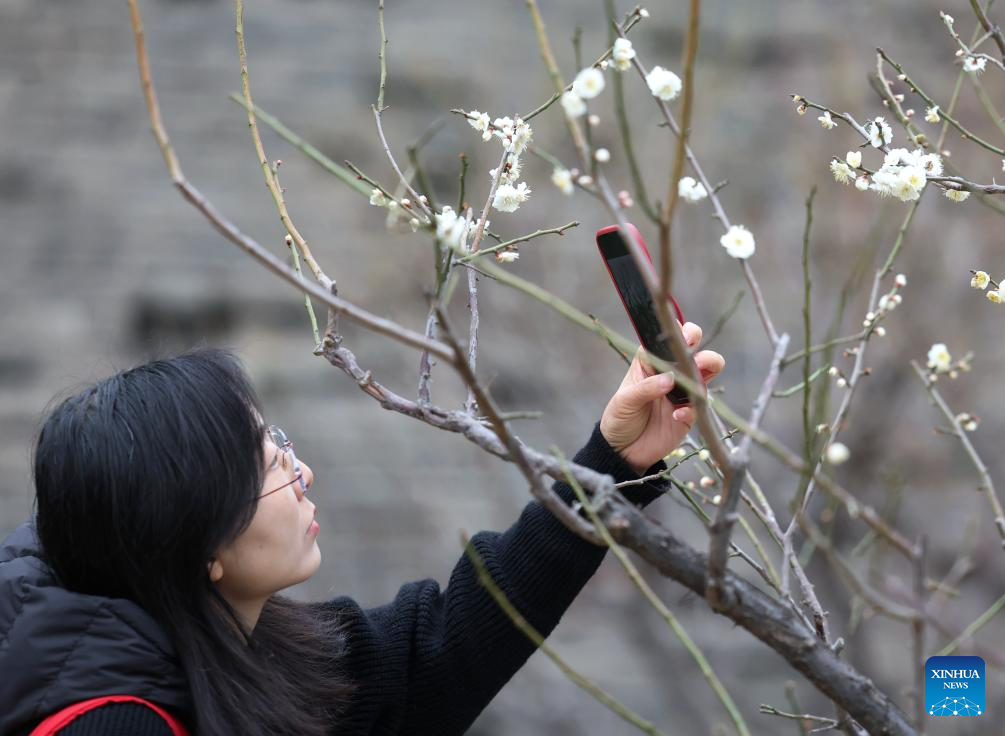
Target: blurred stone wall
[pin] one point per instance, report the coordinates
(102, 265)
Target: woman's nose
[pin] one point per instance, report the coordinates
(307, 473)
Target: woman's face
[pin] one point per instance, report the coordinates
(279, 548)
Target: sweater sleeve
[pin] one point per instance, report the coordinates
(118, 719)
(431, 660)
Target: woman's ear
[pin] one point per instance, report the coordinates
(215, 570)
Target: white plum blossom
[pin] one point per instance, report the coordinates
(562, 178)
(588, 83)
(914, 176)
(901, 156)
(980, 280)
(931, 163)
(377, 198)
(862, 183)
(905, 191)
(837, 453)
(690, 190)
(514, 134)
(593, 120)
(932, 114)
(507, 256)
(480, 122)
(900, 281)
(957, 195)
(451, 228)
(853, 158)
(585, 180)
(842, 172)
(967, 421)
(826, 121)
(738, 242)
(974, 64)
(904, 173)
(663, 83)
(643, 13)
(508, 197)
(996, 296)
(510, 174)
(947, 19)
(880, 133)
(939, 359)
(623, 53)
(883, 182)
(602, 155)
(573, 104)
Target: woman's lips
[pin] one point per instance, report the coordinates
(314, 528)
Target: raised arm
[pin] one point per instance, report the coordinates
(431, 660)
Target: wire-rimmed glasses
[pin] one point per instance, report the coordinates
(287, 459)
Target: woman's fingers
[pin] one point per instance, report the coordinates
(692, 334)
(684, 414)
(710, 363)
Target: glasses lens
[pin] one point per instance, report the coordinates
(278, 435)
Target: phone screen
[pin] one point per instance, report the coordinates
(636, 296)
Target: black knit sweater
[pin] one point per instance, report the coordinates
(431, 660)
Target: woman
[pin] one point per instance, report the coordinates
(169, 515)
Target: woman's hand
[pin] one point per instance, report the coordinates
(639, 422)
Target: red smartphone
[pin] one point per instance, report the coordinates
(636, 298)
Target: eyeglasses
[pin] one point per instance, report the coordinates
(287, 459)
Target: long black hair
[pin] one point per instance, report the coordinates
(140, 480)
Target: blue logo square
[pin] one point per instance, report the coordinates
(954, 686)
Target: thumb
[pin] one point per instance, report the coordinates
(647, 390)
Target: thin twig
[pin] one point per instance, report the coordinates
(720, 212)
(641, 196)
(995, 31)
(931, 103)
(986, 484)
(514, 447)
(522, 239)
(470, 404)
(634, 18)
(270, 180)
(722, 527)
(249, 245)
(673, 192)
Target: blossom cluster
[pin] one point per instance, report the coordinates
(981, 280)
(940, 362)
(452, 228)
(515, 135)
(401, 206)
(590, 82)
(903, 174)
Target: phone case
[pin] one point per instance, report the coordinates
(678, 396)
